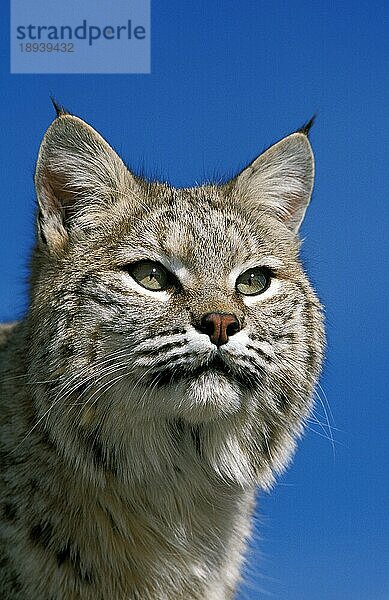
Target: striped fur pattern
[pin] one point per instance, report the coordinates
(131, 446)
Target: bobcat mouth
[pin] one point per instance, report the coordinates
(173, 374)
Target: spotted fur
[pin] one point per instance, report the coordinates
(130, 445)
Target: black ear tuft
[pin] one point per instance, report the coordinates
(305, 129)
(59, 109)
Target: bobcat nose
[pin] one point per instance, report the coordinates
(219, 326)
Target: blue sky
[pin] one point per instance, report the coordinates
(227, 80)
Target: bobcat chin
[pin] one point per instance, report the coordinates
(164, 370)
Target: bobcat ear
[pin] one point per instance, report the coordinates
(77, 175)
(281, 179)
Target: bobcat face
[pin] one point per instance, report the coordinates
(171, 303)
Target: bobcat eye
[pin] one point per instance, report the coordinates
(253, 281)
(150, 275)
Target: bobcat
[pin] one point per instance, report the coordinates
(164, 369)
